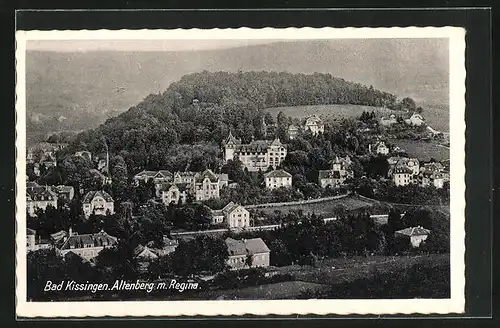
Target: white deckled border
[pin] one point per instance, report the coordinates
(456, 304)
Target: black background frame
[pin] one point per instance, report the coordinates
(479, 116)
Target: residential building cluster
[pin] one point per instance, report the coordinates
(40, 197)
(405, 171)
(336, 177)
(313, 123)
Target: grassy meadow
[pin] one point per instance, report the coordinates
(436, 116)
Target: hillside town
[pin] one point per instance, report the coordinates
(237, 205)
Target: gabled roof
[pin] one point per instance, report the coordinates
(168, 185)
(314, 120)
(414, 231)
(277, 174)
(58, 235)
(232, 140)
(144, 252)
(229, 208)
(97, 239)
(144, 173)
(207, 174)
(276, 142)
(92, 194)
(30, 232)
(293, 128)
(246, 246)
(164, 173)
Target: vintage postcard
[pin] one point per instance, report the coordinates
(240, 171)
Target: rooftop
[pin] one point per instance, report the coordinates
(246, 246)
(97, 239)
(277, 174)
(414, 231)
(92, 194)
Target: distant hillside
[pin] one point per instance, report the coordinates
(80, 90)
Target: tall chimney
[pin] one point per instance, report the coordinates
(70, 231)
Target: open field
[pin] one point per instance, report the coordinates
(423, 150)
(325, 208)
(437, 116)
(327, 273)
(336, 271)
(325, 111)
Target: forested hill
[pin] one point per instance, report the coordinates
(156, 132)
(79, 90)
(277, 89)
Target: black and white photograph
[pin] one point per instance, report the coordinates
(185, 171)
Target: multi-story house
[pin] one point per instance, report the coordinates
(87, 246)
(402, 176)
(30, 239)
(144, 176)
(40, 198)
(32, 244)
(292, 131)
(233, 215)
(247, 253)
(314, 124)
(277, 179)
(156, 176)
(336, 177)
(379, 148)
(64, 192)
(430, 178)
(412, 163)
(257, 155)
(201, 185)
(388, 121)
(416, 120)
(98, 203)
(173, 193)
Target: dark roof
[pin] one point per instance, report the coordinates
(62, 189)
(30, 231)
(414, 231)
(246, 246)
(32, 184)
(217, 213)
(277, 174)
(230, 207)
(402, 170)
(167, 185)
(97, 239)
(92, 194)
(38, 194)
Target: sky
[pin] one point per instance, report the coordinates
(138, 45)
